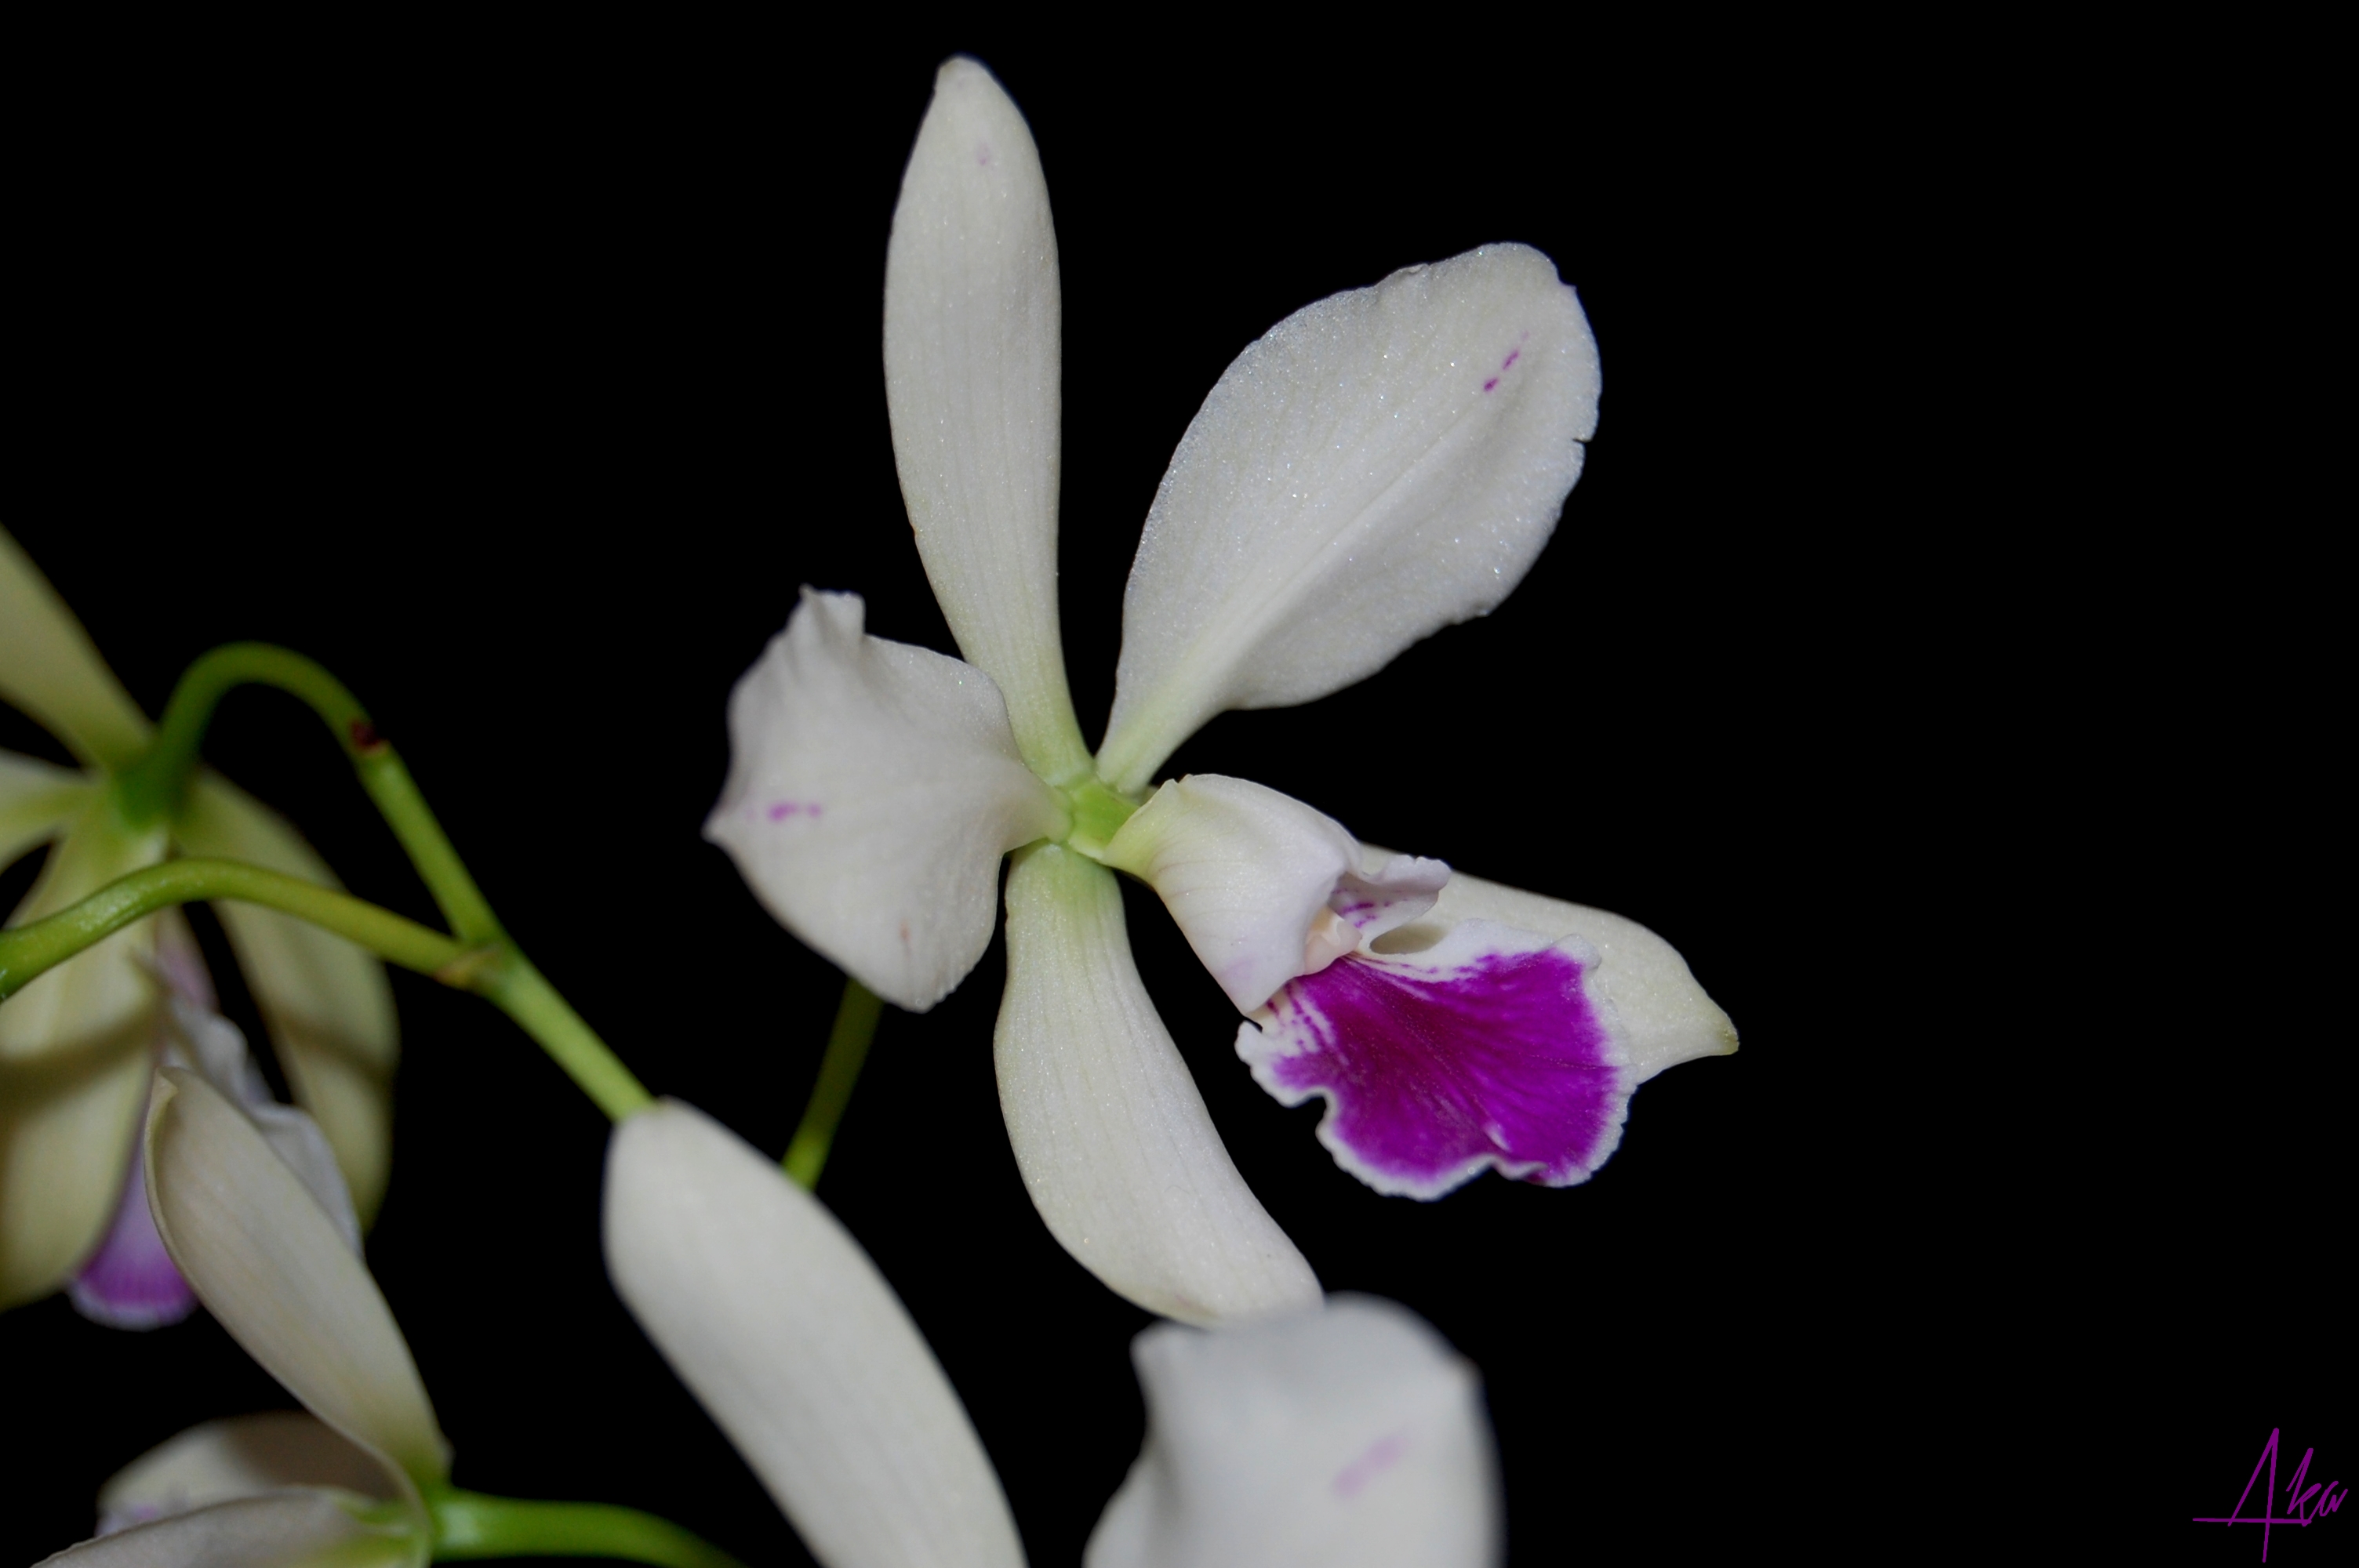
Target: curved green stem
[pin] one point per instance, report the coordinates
(27, 950)
(847, 1049)
(472, 1525)
(153, 786)
(495, 970)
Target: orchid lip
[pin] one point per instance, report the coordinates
(1487, 1051)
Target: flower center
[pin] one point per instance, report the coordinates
(1098, 813)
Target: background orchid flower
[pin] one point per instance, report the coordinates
(78, 1045)
(1379, 465)
(271, 1265)
(1350, 1437)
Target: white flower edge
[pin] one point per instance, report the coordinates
(1353, 1436)
(49, 669)
(1664, 1015)
(238, 1457)
(784, 1330)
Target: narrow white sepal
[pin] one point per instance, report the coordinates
(1110, 1133)
(972, 349)
(49, 669)
(37, 800)
(873, 787)
(1353, 1437)
(326, 1002)
(299, 1528)
(76, 1050)
(781, 1326)
(1664, 1015)
(267, 1261)
(1264, 887)
(1377, 466)
(242, 1456)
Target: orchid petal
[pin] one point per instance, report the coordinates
(75, 1051)
(778, 1322)
(38, 800)
(1377, 466)
(218, 1049)
(49, 669)
(1487, 1049)
(1264, 887)
(972, 340)
(1665, 1017)
(873, 787)
(1112, 1139)
(299, 1528)
(1349, 1438)
(131, 1281)
(326, 1002)
(242, 1456)
(268, 1262)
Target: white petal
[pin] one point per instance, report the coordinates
(1353, 1437)
(1112, 1139)
(217, 1049)
(49, 669)
(242, 1456)
(1243, 868)
(778, 1322)
(267, 1261)
(972, 351)
(1377, 466)
(327, 1004)
(76, 1050)
(289, 1529)
(37, 800)
(873, 787)
(1667, 1017)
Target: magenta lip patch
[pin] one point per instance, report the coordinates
(1484, 1051)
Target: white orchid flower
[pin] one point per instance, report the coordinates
(344, 1484)
(778, 1322)
(79, 1044)
(1352, 1437)
(1379, 465)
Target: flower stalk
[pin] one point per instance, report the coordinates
(470, 1525)
(847, 1050)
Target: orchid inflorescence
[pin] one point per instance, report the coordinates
(1379, 465)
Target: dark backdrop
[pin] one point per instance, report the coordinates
(523, 383)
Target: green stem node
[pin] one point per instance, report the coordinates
(847, 1049)
(470, 1525)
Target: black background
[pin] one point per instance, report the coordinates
(523, 381)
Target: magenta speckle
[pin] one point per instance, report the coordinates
(1513, 355)
(1490, 384)
(786, 809)
(1381, 1457)
(982, 155)
(1434, 1068)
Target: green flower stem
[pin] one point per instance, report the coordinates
(509, 982)
(470, 1525)
(153, 786)
(847, 1049)
(495, 970)
(27, 950)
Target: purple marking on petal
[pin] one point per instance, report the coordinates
(1490, 384)
(1435, 1066)
(786, 809)
(1512, 357)
(130, 1282)
(1381, 1457)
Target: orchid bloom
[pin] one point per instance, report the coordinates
(1347, 1435)
(345, 1482)
(79, 1045)
(1379, 465)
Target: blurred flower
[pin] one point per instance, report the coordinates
(1352, 1437)
(273, 1268)
(1377, 466)
(78, 1045)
